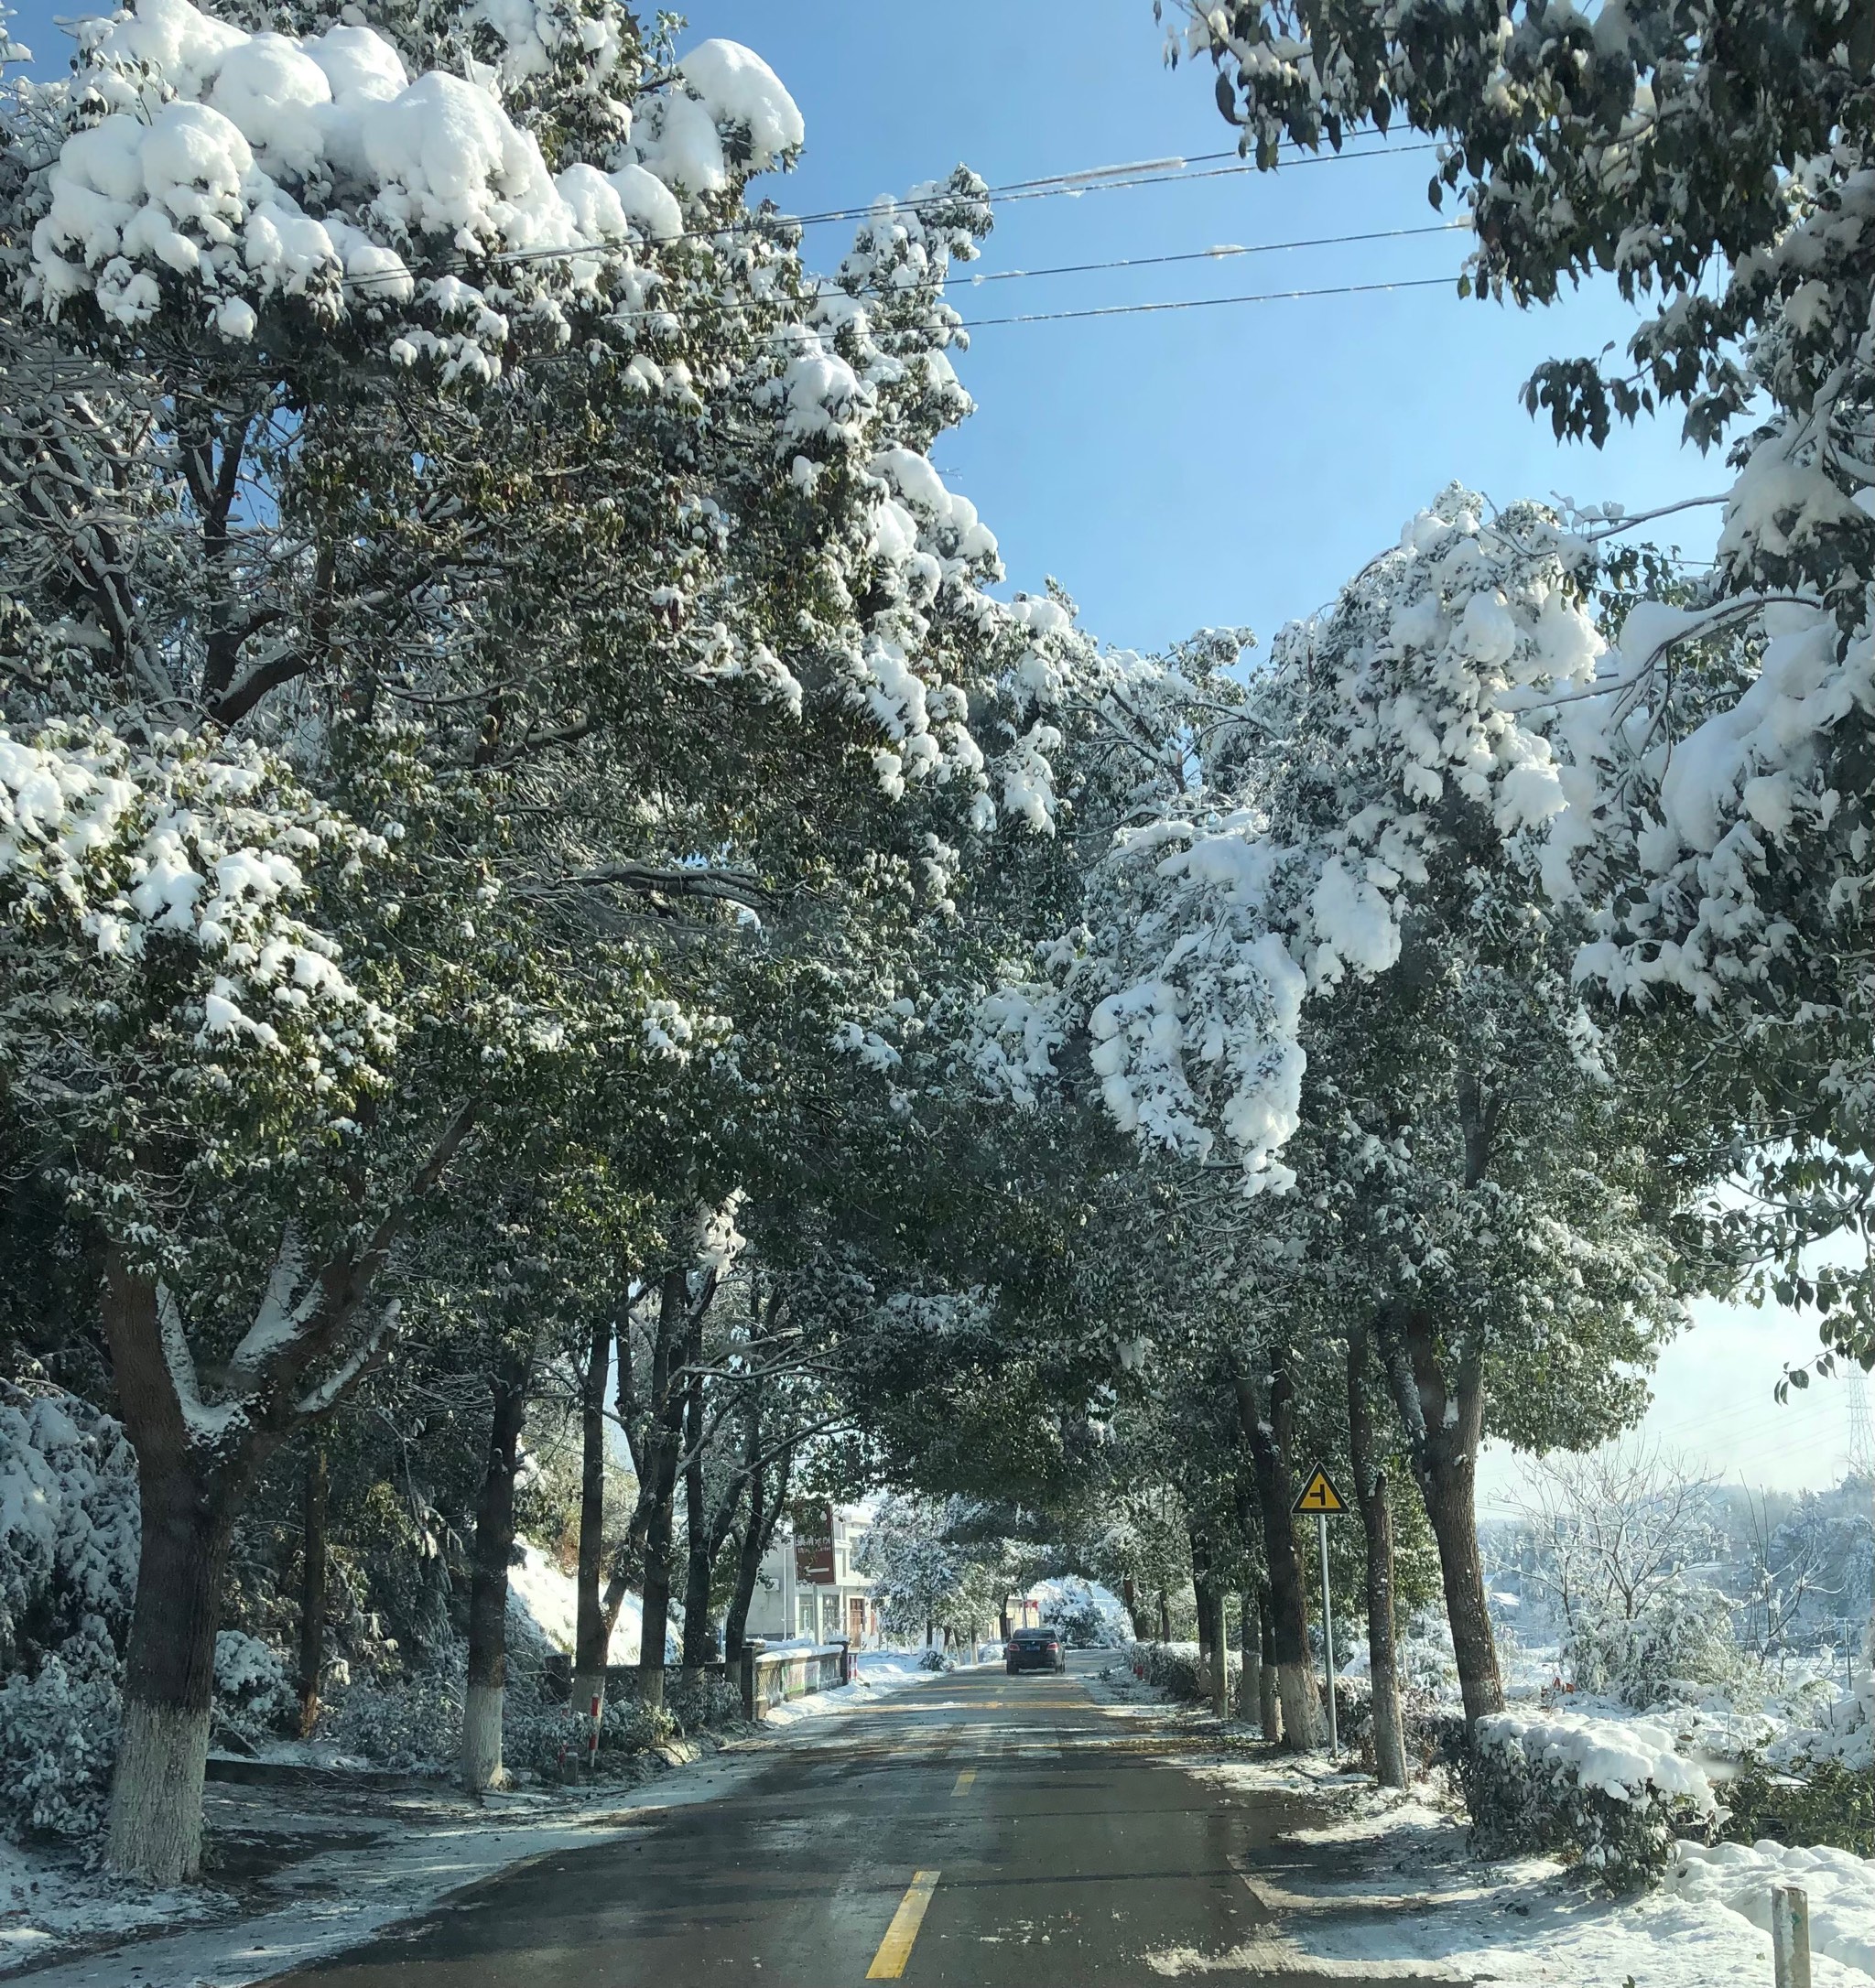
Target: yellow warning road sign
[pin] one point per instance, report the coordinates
(1320, 1495)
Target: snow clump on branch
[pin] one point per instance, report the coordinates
(231, 171)
(123, 849)
(1408, 730)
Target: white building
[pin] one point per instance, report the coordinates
(811, 1587)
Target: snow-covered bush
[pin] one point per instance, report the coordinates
(701, 1700)
(1840, 1730)
(1172, 1668)
(1821, 1802)
(415, 1725)
(629, 1726)
(58, 1744)
(1612, 1795)
(69, 1533)
(252, 1694)
(1680, 1640)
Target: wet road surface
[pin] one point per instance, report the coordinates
(977, 1832)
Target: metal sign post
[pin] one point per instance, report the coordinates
(1319, 1496)
(1321, 1523)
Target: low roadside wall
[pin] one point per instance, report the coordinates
(773, 1677)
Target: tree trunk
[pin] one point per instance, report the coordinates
(1201, 1595)
(700, 1635)
(1377, 1522)
(1269, 1705)
(1451, 1505)
(591, 1632)
(1165, 1618)
(663, 1453)
(1271, 1444)
(1129, 1596)
(1220, 1656)
(1444, 1428)
(312, 1584)
(758, 1535)
(169, 1676)
(1250, 1679)
(193, 1474)
(187, 1517)
(492, 1555)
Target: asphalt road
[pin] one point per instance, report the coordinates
(976, 1831)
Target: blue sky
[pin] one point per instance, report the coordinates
(1232, 465)
(1219, 466)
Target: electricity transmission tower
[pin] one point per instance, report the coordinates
(1862, 1437)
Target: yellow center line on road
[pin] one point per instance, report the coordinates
(895, 1949)
(964, 1780)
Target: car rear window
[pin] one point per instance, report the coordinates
(1033, 1636)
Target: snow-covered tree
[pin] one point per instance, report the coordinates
(1355, 900)
(1716, 773)
(461, 571)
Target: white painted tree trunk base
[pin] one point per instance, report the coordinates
(482, 1738)
(589, 1689)
(156, 1793)
(1302, 1725)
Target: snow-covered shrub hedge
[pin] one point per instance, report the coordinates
(1611, 1795)
(629, 1727)
(1822, 1803)
(58, 1743)
(1174, 1667)
(252, 1694)
(701, 1700)
(412, 1725)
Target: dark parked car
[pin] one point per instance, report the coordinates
(1034, 1649)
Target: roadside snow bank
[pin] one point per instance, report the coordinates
(1839, 1886)
(1384, 1889)
(548, 1600)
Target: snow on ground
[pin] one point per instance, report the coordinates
(386, 1871)
(45, 1904)
(1839, 1886)
(1400, 1893)
(549, 1601)
(1386, 1886)
(877, 1673)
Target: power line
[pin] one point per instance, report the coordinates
(1223, 251)
(1205, 303)
(1105, 179)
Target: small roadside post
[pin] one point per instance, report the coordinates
(1319, 1496)
(1790, 1936)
